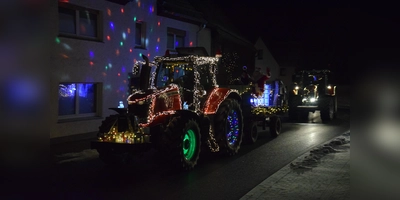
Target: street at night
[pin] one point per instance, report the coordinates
(84, 176)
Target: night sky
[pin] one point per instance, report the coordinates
(325, 32)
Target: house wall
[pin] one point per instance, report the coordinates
(286, 75)
(108, 62)
(267, 60)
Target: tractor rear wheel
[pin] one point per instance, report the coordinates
(229, 126)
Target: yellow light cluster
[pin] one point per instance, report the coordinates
(263, 111)
(124, 137)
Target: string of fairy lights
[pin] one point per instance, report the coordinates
(229, 61)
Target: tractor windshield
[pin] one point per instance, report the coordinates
(178, 73)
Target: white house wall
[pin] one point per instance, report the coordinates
(267, 61)
(109, 62)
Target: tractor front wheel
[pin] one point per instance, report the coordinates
(182, 142)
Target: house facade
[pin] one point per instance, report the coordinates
(96, 44)
(264, 60)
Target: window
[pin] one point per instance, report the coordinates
(260, 53)
(140, 35)
(175, 38)
(77, 100)
(79, 22)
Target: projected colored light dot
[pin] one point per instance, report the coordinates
(106, 67)
(134, 19)
(91, 54)
(121, 43)
(140, 54)
(148, 55)
(110, 65)
(124, 35)
(122, 10)
(158, 23)
(108, 12)
(117, 52)
(129, 30)
(108, 37)
(130, 50)
(112, 25)
(191, 43)
(119, 74)
(158, 39)
(58, 40)
(91, 63)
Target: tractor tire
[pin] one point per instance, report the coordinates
(250, 132)
(294, 102)
(182, 143)
(303, 116)
(275, 126)
(110, 156)
(229, 127)
(327, 110)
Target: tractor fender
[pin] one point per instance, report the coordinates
(188, 114)
(217, 96)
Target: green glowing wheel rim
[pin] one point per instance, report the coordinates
(181, 143)
(189, 144)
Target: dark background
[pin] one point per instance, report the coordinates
(346, 38)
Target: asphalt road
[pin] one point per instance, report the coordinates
(215, 177)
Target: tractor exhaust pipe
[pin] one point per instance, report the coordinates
(145, 74)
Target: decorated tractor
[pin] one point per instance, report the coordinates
(178, 108)
(312, 91)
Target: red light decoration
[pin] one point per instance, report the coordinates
(191, 43)
(119, 74)
(148, 55)
(108, 38)
(172, 90)
(217, 96)
(130, 50)
(159, 23)
(91, 63)
(122, 10)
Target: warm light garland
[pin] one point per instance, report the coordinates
(265, 111)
